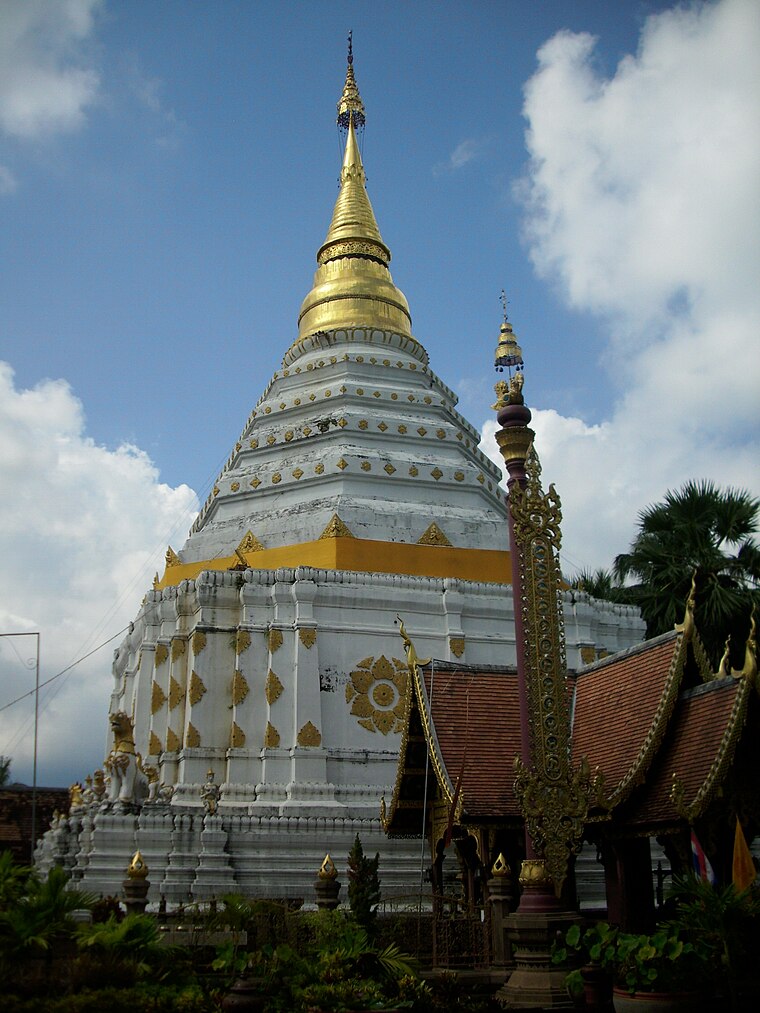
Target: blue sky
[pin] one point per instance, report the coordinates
(167, 173)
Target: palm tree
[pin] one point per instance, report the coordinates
(602, 584)
(704, 532)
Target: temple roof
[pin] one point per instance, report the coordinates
(663, 748)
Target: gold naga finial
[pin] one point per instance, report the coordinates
(412, 661)
(350, 105)
(327, 869)
(172, 559)
(137, 868)
(687, 626)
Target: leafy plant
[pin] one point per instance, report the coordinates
(363, 885)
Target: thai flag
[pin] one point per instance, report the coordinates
(702, 866)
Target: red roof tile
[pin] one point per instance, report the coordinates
(621, 706)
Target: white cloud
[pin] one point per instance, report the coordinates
(82, 530)
(643, 206)
(45, 81)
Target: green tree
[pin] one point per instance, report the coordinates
(363, 885)
(704, 532)
(602, 584)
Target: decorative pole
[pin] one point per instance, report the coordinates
(553, 798)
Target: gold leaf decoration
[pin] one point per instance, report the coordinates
(342, 463)
(255, 482)
(242, 641)
(308, 637)
(173, 744)
(240, 687)
(289, 435)
(162, 653)
(457, 646)
(402, 429)
(176, 693)
(389, 469)
(422, 431)
(309, 735)
(363, 423)
(253, 444)
(436, 473)
(271, 439)
(319, 469)
(459, 476)
(413, 471)
(234, 486)
(271, 736)
(366, 466)
(197, 689)
(307, 430)
(155, 747)
(382, 426)
(588, 654)
(273, 688)
(441, 434)
(376, 692)
(274, 640)
(192, 737)
(199, 641)
(343, 422)
(336, 529)
(172, 559)
(250, 543)
(433, 536)
(237, 736)
(276, 478)
(157, 698)
(297, 474)
(178, 648)
(481, 478)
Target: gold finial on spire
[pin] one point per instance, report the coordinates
(350, 105)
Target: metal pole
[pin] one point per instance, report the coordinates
(36, 729)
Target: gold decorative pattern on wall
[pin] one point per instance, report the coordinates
(176, 693)
(173, 744)
(239, 687)
(242, 641)
(376, 694)
(588, 654)
(433, 536)
(309, 736)
(192, 737)
(274, 640)
(154, 746)
(389, 469)
(271, 736)
(162, 653)
(307, 636)
(436, 473)
(342, 463)
(237, 736)
(336, 529)
(197, 689)
(250, 543)
(157, 698)
(273, 689)
(457, 646)
(199, 641)
(178, 648)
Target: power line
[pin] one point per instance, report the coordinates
(64, 670)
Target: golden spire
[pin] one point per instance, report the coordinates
(353, 286)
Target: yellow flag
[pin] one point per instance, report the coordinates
(744, 868)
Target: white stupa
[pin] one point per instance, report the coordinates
(268, 651)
